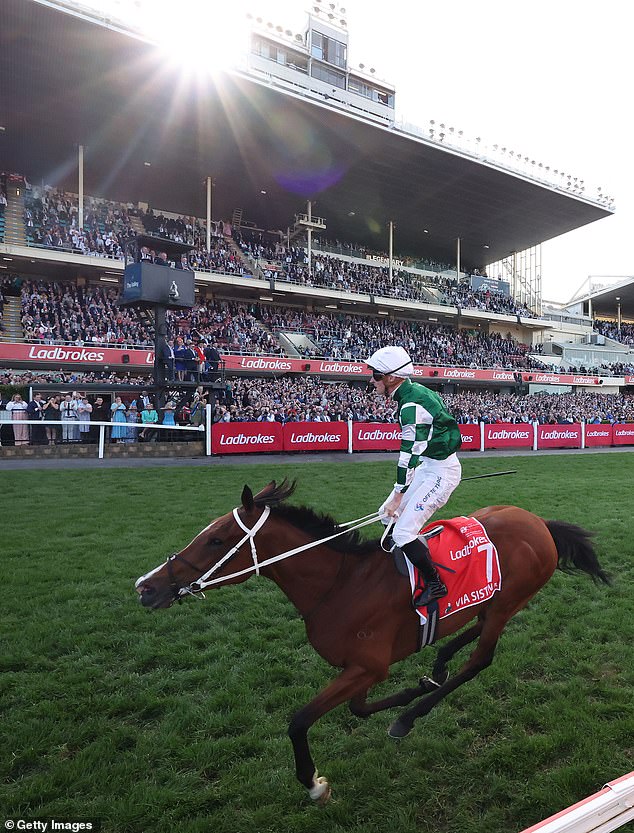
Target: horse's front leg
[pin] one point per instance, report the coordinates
(351, 682)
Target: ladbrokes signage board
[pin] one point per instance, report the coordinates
(380, 436)
(508, 435)
(558, 436)
(242, 437)
(316, 436)
(375, 436)
(69, 354)
(623, 434)
(96, 355)
(470, 437)
(598, 435)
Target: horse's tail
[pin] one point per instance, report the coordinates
(576, 550)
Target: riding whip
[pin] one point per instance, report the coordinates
(493, 474)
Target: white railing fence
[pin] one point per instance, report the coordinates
(610, 808)
(136, 427)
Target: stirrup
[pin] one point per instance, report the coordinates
(432, 591)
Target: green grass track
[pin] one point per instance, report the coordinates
(176, 720)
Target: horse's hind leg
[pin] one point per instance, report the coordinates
(480, 659)
(361, 708)
(446, 652)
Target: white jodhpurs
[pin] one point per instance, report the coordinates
(431, 487)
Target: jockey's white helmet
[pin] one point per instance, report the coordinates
(391, 360)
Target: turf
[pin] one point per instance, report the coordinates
(177, 720)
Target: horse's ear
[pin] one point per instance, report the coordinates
(247, 498)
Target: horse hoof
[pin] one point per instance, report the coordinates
(320, 792)
(399, 729)
(427, 685)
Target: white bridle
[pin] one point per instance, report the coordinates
(206, 581)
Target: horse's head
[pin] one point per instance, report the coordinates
(220, 551)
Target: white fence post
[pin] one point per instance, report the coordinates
(208, 429)
(482, 436)
(349, 436)
(102, 438)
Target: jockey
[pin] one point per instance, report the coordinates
(428, 468)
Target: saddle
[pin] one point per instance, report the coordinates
(400, 559)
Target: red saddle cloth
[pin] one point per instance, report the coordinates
(465, 548)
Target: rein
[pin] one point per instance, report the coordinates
(205, 580)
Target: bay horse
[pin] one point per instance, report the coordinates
(356, 606)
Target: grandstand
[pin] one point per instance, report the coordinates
(274, 279)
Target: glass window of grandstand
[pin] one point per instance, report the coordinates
(357, 86)
(266, 49)
(328, 49)
(322, 73)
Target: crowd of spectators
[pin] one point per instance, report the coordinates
(285, 399)
(355, 337)
(331, 272)
(55, 312)
(309, 399)
(610, 329)
(51, 219)
(70, 417)
(66, 312)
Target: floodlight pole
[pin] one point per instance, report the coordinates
(458, 259)
(209, 185)
(80, 161)
(309, 237)
(391, 249)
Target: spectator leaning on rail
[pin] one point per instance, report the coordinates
(428, 468)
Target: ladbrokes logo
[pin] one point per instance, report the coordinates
(380, 434)
(503, 434)
(458, 374)
(567, 434)
(242, 439)
(340, 367)
(503, 376)
(315, 438)
(265, 364)
(545, 377)
(624, 432)
(598, 432)
(66, 354)
(467, 439)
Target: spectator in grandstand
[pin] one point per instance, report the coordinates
(169, 414)
(35, 410)
(428, 469)
(132, 418)
(100, 413)
(69, 408)
(180, 359)
(84, 410)
(149, 417)
(197, 415)
(51, 416)
(17, 407)
(169, 358)
(117, 414)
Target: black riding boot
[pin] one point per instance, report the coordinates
(417, 552)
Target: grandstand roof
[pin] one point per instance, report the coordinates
(605, 301)
(69, 81)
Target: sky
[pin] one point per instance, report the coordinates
(547, 78)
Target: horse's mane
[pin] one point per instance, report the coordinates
(313, 524)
